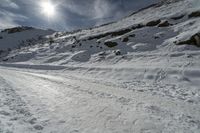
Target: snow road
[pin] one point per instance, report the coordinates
(35, 102)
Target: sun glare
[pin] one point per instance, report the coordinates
(48, 8)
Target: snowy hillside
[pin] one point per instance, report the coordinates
(161, 27)
(140, 74)
(15, 38)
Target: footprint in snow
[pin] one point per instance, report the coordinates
(4, 113)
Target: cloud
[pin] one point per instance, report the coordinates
(96, 12)
(6, 23)
(9, 4)
(9, 19)
(71, 14)
(80, 14)
(90, 8)
(102, 8)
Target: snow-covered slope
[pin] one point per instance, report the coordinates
(159, 43)
(15, 38)
(146, 64)
(158, 28)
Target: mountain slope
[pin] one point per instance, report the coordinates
(140, 74)
(162, 25)
(15, 38)
(157, 44)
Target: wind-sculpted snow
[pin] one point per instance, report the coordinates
(139, 74)
(71, 104)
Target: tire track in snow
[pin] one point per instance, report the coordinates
(14, 112)
(97, 106)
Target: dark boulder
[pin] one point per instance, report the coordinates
(194, 40)
(153, 23)
(164, 24)
(194, 14)
(118, 52)
(132, 35)
(121, 32)
(110, 44)
(126, 39)
(73, 46)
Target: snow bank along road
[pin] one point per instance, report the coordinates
(35, 102)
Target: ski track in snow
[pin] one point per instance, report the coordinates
(36, 102)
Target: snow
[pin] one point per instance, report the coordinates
(14, 40)
(74, 104)
(139, 81)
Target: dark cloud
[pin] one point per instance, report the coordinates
(71, 14)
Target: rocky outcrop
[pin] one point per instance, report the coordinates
(153, 23)
(164, 24)
(118, 52)
(138, 26)
(194, 14)
(126, 39)
(17, 29)
(194, 40)
(121, 32)
(110, 44)
(177, 17)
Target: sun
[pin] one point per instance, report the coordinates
(48, 9)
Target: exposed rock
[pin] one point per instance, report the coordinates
(102, 54)
(177, 17)
(99, 36)
(164, 24)
(194, 40)
(138, 26)
(51, 41)
(17, 29)
(132, 35)
(153, 23)
(98, 42)
(121, 32)
(125, 39)
(110, 44)
(194, 14)
(118, 52)
(73, 46)
(5, 60)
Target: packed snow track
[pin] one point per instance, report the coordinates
(36, 102)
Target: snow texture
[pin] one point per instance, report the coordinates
(140, 74)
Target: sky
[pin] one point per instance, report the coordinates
(65, 15)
